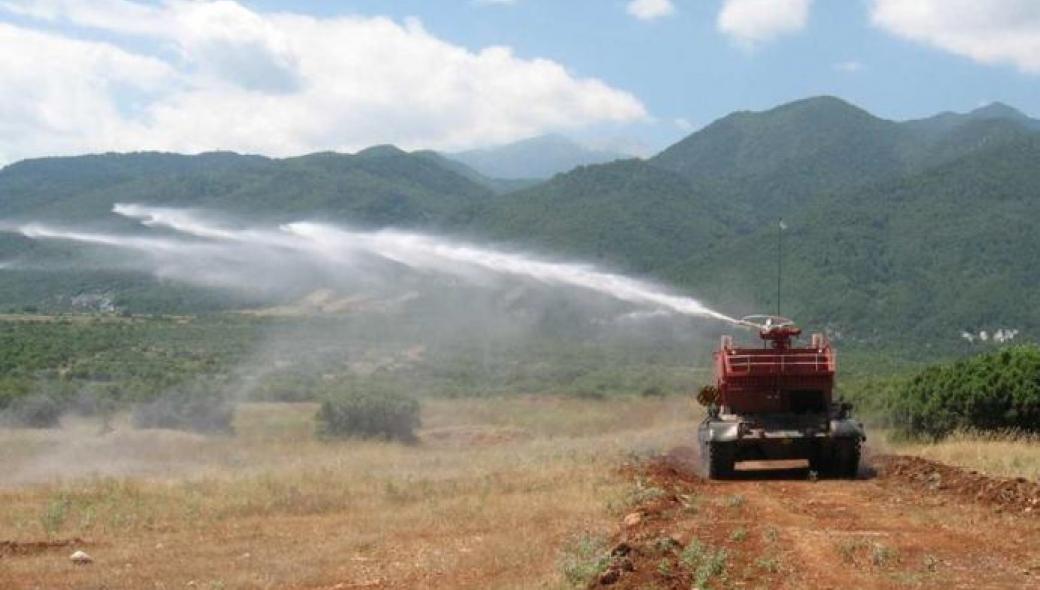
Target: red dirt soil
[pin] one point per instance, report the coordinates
(905, 523)
(1013, 495)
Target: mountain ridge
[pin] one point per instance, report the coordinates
(539, 157)
(895, 230)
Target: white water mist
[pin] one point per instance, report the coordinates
(199, 243)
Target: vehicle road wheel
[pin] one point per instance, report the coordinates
(821, 461)
(720, 460)
(846, 464)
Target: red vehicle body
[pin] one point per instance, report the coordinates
(778, 378)
(777, 402)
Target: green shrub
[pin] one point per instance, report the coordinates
(287, 387)
(55, 514)
(590, 394)
(194, 407)
(38, 410)
(370, 413)
(652, 391)
(996, 391)
(872, 396)
(12, 388)
(704, 562)
(584, 559)
(95, 399)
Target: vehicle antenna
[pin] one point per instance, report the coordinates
(779, 260)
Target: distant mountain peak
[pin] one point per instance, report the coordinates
(815, 105)
(824, 110)
(997, 110)
(814, 143)
(550, 138)
(541, 156)
(382, 151)
(948, 121)
(555, 140)
(820, 100)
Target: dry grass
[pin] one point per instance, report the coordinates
(487, 499)
(998, 454)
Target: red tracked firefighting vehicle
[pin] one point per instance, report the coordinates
(775, 402)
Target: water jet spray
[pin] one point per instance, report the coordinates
(337, 249)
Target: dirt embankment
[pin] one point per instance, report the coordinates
(906, 523)
(1018, 495)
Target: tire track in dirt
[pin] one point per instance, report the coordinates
(896, 529)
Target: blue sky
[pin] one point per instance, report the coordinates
(281, 78)
(682, 66)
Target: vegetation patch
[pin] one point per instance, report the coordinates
(196, 407)
(584, 559)
(706, 563)
(995, 391)
(863, 552)
(38, 410)
(358, 413)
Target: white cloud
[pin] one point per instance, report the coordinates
(849, 67)
(218, 75)
(117, 15)
(650, 9)
(751, 22)
(990, 32)
(683, 124)
(58, 92)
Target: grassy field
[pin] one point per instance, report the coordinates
(489, 498)
(999, 454)
(494, 495)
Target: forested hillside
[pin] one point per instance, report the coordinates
(378, 186)
(922, 257)
(774, 162)
(895, 234)
(627, 214)
(912, 232)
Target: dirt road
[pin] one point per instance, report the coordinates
(906, 523)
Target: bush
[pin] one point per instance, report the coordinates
(652, 391)
(872, 396)
(996, 391)
(585, 558)
(590, 394)
(95, 399)
(13, 388)
(37, 410)
(195, 408)
(286, 387)
(369, 414)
